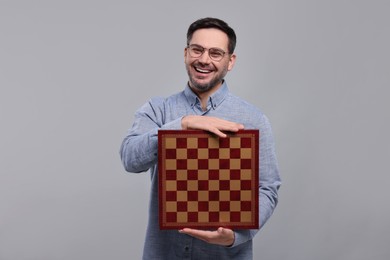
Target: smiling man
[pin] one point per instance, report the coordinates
(206, 72)
(206, 104)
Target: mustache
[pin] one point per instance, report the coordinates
(203, 66)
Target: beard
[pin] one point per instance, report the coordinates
(202, 87)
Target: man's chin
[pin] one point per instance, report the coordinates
(201, 88)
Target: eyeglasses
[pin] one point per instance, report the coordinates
(196, 51)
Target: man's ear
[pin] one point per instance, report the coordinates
(185, 53)
(232, 61)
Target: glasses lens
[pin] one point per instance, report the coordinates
(216, 54)
(196, 51)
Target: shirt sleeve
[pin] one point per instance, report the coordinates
(139, 148)
(269, 181)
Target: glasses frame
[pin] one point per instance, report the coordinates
(204, 50)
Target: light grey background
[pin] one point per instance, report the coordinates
(72, 74)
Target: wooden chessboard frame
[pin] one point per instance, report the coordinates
(206, 182)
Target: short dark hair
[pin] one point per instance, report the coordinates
(210, 22)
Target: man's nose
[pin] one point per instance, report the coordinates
(205, 57)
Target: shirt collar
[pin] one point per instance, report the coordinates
(214, 100)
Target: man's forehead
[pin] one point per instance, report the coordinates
(209, 38)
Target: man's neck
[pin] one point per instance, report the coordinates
(204, 96)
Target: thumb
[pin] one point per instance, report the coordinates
(221, 230)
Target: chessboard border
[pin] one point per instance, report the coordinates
(254, 134)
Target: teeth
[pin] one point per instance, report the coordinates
(203, 71)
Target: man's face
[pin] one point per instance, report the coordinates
(204, 73)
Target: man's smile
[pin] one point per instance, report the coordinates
(203, 70)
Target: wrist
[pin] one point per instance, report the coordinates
(184, 123)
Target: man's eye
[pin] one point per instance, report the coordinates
(216, 54)
(197, 50)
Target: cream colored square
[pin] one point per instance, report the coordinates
(213, 184)
(170, 143)
(235, 206)
(246, 153)
(224, 175)
(182, 217)
(224, 217)
(203, 153)
(246, 195)
(192, 185)
(170, 164)
(235, 142)
(246, 174)
(203, 175)
(192, 142)
(213, 164)
(181, 195)
(235, 164)
(192, 206)
(213, 206)
(203, 195)
(224, 153)
(246, 216)
(203, 217)
(181, 153)
(192, 164)
(235, 185)
(224, 195)
(213, 142)
(171, 206)
(170, 185)
(181, 175)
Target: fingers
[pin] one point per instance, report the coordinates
(211, 124)
(227, 236)
(222, 236)
(207, 236)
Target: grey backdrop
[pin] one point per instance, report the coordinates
(72, 74)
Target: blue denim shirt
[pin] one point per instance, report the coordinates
(139, 153)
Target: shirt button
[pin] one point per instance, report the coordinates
(186, 248)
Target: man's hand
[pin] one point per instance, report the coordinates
(222, 236)
(212, 124)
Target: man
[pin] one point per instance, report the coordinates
(205, 104)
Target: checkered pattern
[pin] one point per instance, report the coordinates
(206, 181)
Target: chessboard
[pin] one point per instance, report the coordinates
(207, 182)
